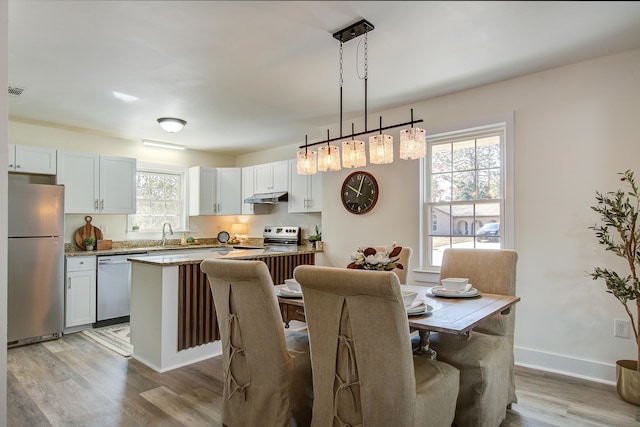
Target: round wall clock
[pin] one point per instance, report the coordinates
(359, 192)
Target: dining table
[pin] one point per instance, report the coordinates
(450, 315)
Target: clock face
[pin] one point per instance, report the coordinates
(359, 192)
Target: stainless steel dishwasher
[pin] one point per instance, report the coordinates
(113, 295)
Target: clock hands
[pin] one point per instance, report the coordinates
(360, 188)
(357, 191)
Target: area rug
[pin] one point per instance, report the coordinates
(114, 337)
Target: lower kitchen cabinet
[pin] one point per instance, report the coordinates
(80, 291)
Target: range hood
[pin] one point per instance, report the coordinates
(267, 198)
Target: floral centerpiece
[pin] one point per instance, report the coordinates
(372, 259)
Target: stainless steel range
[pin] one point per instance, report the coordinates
(281, 235)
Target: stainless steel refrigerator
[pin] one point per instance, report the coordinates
(35, 263)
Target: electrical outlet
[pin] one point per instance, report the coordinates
(621, 328)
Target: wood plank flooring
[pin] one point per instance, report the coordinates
(74, 381)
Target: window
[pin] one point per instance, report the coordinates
(465, 185)
(160, 198)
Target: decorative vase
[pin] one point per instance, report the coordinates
(628, 381)
(89, 247)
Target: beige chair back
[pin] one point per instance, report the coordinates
(257, 365)
(354, 318)
(491, 271)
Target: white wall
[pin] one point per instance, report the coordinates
(576, 127)
(4, 55)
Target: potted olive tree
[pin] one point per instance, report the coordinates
(619, 233)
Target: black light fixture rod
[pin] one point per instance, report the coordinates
(365, 104)
(340, 110)
(363, 133)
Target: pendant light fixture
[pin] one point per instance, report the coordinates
(353, 151)
(306, 160)
(413, 142)
(328, 157)
(171, 124)
(381, 148)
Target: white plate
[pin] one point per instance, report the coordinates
(419, 310)
(440, 291)
(288, 293)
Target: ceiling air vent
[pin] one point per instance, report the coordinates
(15, 91)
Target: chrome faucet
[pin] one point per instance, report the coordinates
(164, 233)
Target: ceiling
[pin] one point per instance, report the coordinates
(253, 75)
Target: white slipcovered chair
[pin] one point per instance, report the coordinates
(267, 373)
(485, 360)
(364, 371)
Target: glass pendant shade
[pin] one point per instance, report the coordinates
(328, 158)
(381, 149)
(306, 162)
(412, 143)
(353, 154)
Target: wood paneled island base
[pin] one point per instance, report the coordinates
(173, 319)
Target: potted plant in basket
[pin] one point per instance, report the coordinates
(619, 233)
(89, 243)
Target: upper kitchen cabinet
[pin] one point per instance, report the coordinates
(271, 177)
(247, 189)
(229, 191)
(97, 184)
(305, 191)
(29, 159)
(215, 191)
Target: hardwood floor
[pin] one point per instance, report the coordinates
(74, 381)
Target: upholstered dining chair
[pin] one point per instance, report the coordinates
(268, 379)
(364, 372)
(485, 359)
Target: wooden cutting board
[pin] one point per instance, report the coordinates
(87, 230)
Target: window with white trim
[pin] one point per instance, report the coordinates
(160, 198)
(465, 191)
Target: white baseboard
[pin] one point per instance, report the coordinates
(578, 368)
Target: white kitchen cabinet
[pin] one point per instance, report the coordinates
(80, 291)
(30, 159)
(96, 183)
(215, 191)
(271, 177)
(229, 191)
(247, 189)
(305, 191)
(202, 191)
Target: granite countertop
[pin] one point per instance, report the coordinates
(198, 257)
(73, 252)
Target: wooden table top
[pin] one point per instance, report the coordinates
(449, 315)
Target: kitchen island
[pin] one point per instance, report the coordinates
(173, 318)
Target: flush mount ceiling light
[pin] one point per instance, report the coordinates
(171, 124)
(159, 144)
(353, 151)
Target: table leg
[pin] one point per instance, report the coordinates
(423, 347)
